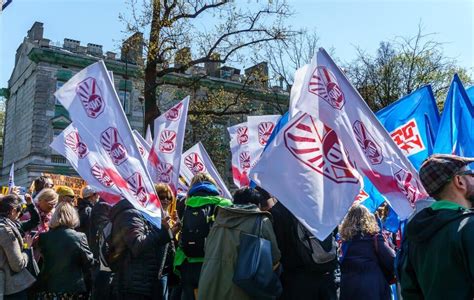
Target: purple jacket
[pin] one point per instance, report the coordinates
(361, 268)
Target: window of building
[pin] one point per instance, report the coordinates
(58, 159)
(124, 97)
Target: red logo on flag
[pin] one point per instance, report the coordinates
(141, 150)
(174, 113)
(317, 146)
(101, 175)
(264, 132)
(408, 185)
(164, 171)
(244, 159)
(361, 196)
(137, 187)
(113, 144)
(242, 135)
(323, 84)
(371, 149)
(74, 142)
(194, 163)
(91, 98)
(167, 141)
(408, 138)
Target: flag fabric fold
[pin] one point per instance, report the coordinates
(96, 112)
(328, 95)
(239, 139)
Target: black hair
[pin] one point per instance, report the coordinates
(264, 195)
(247, 196)
(9, 203)
(39, 183)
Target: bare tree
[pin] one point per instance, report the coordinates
(217, 31)
(402, 66)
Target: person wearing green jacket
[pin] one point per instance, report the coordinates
(201, 203)
(439, 259)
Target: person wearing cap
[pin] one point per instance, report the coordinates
(65, 194)
(84, 208)
(439, 263)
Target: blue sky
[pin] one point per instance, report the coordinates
(340, 24)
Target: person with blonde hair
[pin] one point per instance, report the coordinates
(46, 201)
(66, 257)
(367, 260)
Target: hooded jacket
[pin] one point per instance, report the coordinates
(141, 249)
(222, 246)
(440, 260)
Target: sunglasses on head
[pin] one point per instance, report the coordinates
(466, 172)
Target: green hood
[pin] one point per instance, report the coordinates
(197, 201)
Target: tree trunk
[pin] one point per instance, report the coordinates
(151, 109)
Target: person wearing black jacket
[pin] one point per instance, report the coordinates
(66, 257)
(139, 248)
(301, 279)
(84, 208)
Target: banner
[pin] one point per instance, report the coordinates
(295, 92)
(102, 130)
(239, 139)
(196, 160)
(259, 131)
(165, 154)
(328, 95)
(456, 128)
(75, 183)
(306, 168)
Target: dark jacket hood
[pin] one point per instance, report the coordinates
(428, 222)
(122, 205)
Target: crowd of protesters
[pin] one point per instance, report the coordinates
(58, 245)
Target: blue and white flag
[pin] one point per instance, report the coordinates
(456, 128)
(11, 179)
(413, 123)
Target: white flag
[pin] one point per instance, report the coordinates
(295, 92)
(91, 162)
(98, 116)
(260, 129)
(196, 160)
(148, 135)
(306, 168)
(239, 139)
(143, 147)
(11, 179)
(328, 95)
(165, 154)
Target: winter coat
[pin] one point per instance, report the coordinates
(67, 260)
(98, 220)
(84, 208)
(140, 248)
(440, 261)
(13, 261)
(221, 250)
(361, 269)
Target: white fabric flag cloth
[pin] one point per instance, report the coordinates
(11, 178)
(98, 116)
(165, 154)
(328, 95)
(239, 139)
(196, 160)
(260, 129)
(142, 145)
(148, 135)
(91, 162)
(295, 92)
(306, 168)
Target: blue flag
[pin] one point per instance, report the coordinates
(413, 123)
(456, 128)
(470, 93)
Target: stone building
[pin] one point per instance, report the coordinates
(34, 117)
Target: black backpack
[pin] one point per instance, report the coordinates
(197, 222)
(315, 255)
